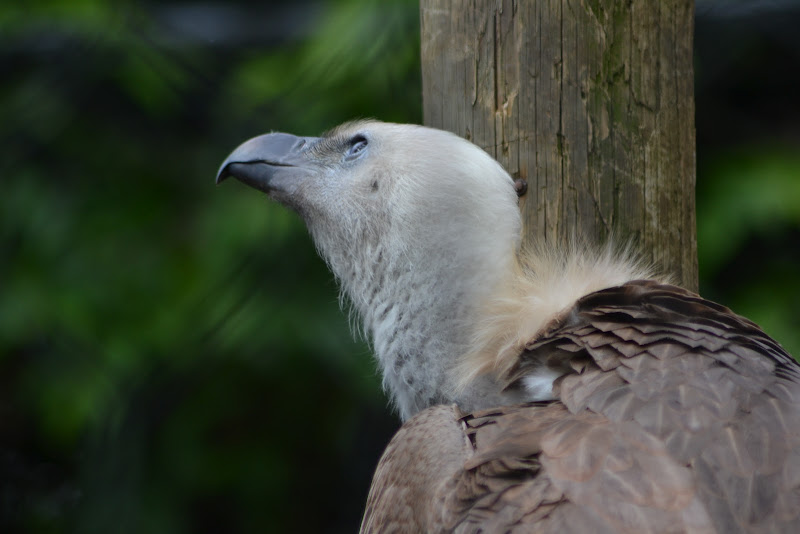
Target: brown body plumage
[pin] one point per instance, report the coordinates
(677, 416)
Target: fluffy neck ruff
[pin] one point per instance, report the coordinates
(544, 282)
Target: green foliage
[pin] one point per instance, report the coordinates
(748, 222)
(173, 355)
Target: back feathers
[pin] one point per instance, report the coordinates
(673, 415)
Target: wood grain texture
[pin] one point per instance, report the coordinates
(590, 101)
(676, 416)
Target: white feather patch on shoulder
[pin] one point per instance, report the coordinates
(545, 281)
(539, 384)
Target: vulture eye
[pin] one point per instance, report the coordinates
(357, 146)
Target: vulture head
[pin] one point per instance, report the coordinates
(418, 225)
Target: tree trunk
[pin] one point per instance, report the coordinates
(590, 101)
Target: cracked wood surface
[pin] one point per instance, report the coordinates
(590, 101)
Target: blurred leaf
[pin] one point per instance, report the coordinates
(752, 189)
(748, 224)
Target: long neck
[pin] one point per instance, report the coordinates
(419, 309)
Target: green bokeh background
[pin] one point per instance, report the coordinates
(172, 355)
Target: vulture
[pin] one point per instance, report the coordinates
(558, 388)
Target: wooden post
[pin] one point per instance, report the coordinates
(590, 101)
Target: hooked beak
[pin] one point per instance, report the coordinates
(269, 163)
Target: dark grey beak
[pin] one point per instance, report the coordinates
(268, 162)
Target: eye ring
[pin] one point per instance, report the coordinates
(357, 146)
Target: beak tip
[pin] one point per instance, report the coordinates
(222, 174)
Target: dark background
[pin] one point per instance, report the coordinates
(172, 355)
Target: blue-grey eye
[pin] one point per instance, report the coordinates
(357, 146)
